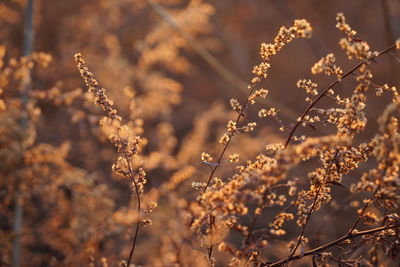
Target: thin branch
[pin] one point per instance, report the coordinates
(333, 84)
(364, 209)
(240, 114)
(264, 231)
(341, 262)
(138, 210)
(253, 223)
(313, 204)
(331, 244)
(307, 220)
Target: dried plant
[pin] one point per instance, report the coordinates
(209, 184)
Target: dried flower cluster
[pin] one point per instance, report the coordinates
(327, 65)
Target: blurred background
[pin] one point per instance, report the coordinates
(171, 67)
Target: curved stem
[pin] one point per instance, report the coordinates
(331, 244)
(136, 230)
(138, 210)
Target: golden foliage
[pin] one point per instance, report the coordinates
(183, 183)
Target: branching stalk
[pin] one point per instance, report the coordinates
(313, 206)
(333, 84)
(331, 244)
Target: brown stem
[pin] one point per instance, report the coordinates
(331, 244)
(364, 209)
(307, 219)
(313, 205)
(333, 84)
(263, 235)
(241, 114)
(249, 233)
(138, 210)
(341, 262)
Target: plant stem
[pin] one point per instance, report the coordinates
(313, 205)
(333, 84)
(138, 210)
(240, 114)
(331, 244)
(364, 209)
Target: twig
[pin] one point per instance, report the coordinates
(138, 210)
(333, 84)
(307, 220)
(364, 209)
(241, 114)
(331, 244)
(313, 205)
(264, 231)
(341, 261)
(250, 230)
(218, 163)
